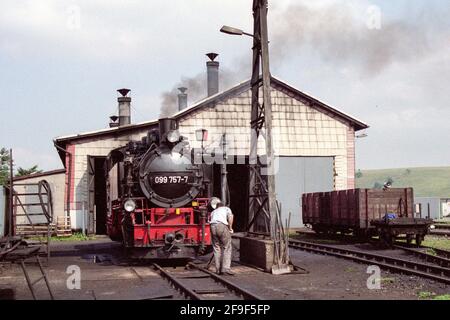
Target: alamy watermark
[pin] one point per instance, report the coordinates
(73, 281)
(374, 280)
(218, 154)
(73, 21)
(373, 21)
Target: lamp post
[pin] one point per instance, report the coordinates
(262, 193)
(234, 31)
(11, 195)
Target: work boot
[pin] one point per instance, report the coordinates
(228, 273)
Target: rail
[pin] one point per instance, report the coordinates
(198, 294)
(426, 270)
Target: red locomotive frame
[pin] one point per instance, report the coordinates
(151, 227)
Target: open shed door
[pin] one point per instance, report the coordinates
(90, 224)
(96, 204)
(298, 175)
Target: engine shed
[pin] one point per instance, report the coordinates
(314, 145)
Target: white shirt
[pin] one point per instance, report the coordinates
(221, 215)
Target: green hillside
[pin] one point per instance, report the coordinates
(427, 182)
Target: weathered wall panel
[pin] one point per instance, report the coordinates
(298, 130)
(57, 186)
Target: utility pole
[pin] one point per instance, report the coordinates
(262, 203)
(264, 214)
(11, 195)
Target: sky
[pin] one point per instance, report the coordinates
(384, 62)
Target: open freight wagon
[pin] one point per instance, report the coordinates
(365, 213)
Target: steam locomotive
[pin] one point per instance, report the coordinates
(157, 196)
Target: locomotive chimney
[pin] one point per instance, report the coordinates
(212, 68)
(124, 107)
(166, 125)
(182, 98)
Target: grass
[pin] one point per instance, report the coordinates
(437, 242)
(427, 181)
(443, 221)
(426, 295)
(388, 280)
(442, 297)
(74, 237)
(315, 238)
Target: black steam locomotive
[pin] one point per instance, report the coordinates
(157, 195)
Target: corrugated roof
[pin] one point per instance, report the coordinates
(40, 175)
(359, 125)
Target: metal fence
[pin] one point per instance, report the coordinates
(2, 212)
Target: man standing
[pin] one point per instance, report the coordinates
(221, 230)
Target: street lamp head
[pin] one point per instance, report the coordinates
(231, 30)
(362, 135)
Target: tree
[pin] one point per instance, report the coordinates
(359, 174)
(4, 166)
(25, 172)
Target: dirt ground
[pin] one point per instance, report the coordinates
(104, 275)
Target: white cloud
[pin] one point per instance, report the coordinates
(113, 29)
(406, 101)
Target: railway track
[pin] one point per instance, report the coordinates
(201, 284)
(426, 269)
(439, 252)
(439, 257)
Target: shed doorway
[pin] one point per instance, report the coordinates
(238, 186)
(97, 195)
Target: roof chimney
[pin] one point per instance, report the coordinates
(212, 68)
(113, 123)
(182, 98)
(124, 107)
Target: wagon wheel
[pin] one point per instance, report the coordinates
(318, 230)
(419, 239)
(386, 239)
(409, 239)
(362, 235)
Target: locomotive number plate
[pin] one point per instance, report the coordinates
(170, 179)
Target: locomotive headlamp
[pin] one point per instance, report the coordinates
(129, 205)
(173, 136)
